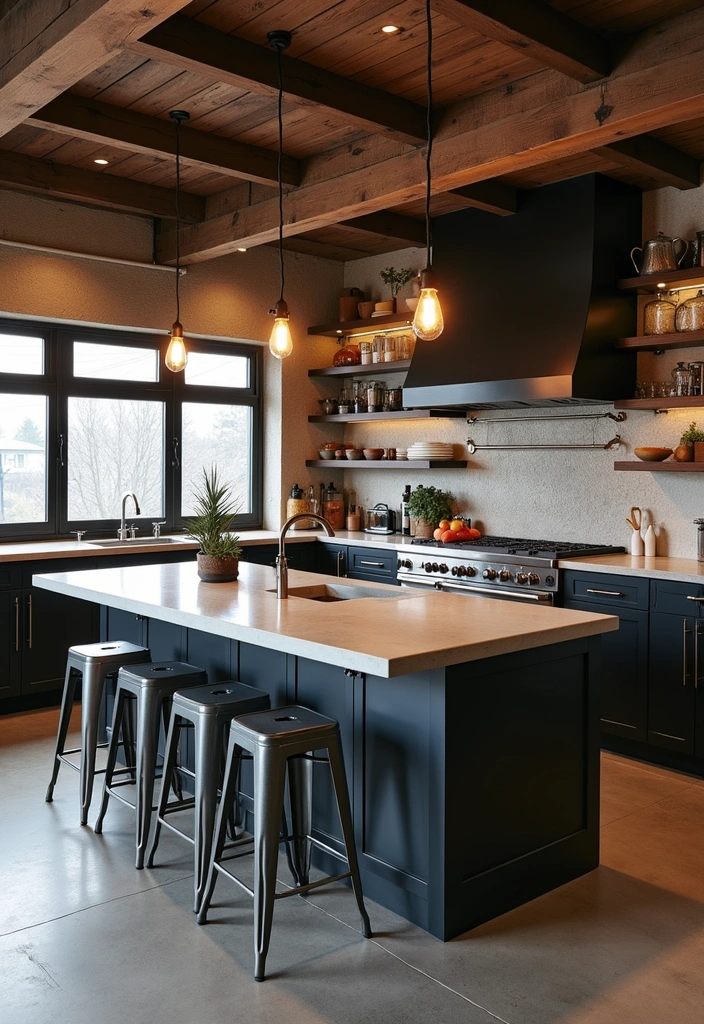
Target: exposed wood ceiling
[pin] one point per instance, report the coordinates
(526, 92)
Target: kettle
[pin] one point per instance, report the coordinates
(380, 519)
(659, 254)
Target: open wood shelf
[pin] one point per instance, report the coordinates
(371, 325)
(674, 278)
(660, 467)
(653, 342)
(387, 463)
(690, 402)
(362, 369)
(401, 414)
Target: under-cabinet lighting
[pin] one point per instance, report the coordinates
(241, 249)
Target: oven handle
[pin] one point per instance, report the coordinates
(523, 595)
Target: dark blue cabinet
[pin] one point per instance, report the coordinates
(377, 565)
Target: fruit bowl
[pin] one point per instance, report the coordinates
(652, 454)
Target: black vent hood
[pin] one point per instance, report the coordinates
(530, 302)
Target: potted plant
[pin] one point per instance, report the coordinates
(396, 280)
(219, 551)
(691, 445)
(426, 507)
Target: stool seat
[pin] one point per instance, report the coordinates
(151, 687)
(209, 709)
(93, 664)
(279, 741)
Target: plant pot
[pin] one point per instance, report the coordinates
(699, 451)
(422, 528)
(217, 569)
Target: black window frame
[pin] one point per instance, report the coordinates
(59, 384)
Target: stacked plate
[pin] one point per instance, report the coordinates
(431, 450)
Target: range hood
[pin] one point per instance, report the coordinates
(530, 302)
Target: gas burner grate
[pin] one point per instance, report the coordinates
(522, 546)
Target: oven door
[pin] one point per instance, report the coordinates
(476, 590)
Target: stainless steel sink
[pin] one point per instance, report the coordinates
(330, 592)
(135, 541)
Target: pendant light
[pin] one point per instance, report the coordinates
(280, 341)
(428, 323)
(176, 355)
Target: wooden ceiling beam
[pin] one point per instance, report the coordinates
(492, 196)
(202, 50)
(535, 30)
(660, 82)
(389, 225)
(48, 47)
(25, 174)
(647, 155)
(89, 119)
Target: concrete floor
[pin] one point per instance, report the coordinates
(84, 937)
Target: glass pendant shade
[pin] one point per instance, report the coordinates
(428, 323)
(176, 355)
(280, 340)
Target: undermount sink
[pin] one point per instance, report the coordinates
(135, 540)
(330, 592)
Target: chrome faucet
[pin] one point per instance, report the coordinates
(281, 563)
(123, 531)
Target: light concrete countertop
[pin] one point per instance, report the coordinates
(408, 631)
(687, 570)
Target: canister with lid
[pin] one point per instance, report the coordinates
(690, 313)
(297, 502)
(659, 316)
(334, 508)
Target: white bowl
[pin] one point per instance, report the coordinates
(411, 304)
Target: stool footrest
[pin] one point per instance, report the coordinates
(298, 889)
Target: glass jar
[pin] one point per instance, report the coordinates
(389, 349)
(359, 395)
(690, 313)
(682, 380)
(697, 370)
(375, 395)
(378, 349)
(392, 400)
(404, 346)
(365, 350)
(659, 316)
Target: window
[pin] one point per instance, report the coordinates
(87, 416)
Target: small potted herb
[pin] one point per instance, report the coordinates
(219, 551)
(426, 507)
(396, 280)
(691, 445)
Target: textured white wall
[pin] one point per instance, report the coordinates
(227, 298)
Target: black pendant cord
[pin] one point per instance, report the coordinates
(429, 126)
(178, 216)
(279, 170)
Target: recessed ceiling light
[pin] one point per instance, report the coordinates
(390, 30)
(100, 161)
(240, 249)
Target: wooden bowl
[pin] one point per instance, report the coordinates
(354, 454)
(373, 453)
(652, 454)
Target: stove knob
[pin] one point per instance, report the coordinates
(521, 577)
(435, 567)
(456, 570)
(505, 576)
(427, 566)
(442, 567)
(405, 563)
(470, 571)
(462, 571)
(534, 579)
(489, 574)
(550, 581)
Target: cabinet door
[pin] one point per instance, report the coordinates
(52, 623)
(624, 672)
(10, 642)
(332, 559)
(262, 554)
(671, 683)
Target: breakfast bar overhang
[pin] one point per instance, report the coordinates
(470, 728)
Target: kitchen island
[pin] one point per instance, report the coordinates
(470, 729)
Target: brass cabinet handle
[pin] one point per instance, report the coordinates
(607, 593)
(685, 632)
(690, 598)
(17, 623)
(30, 632)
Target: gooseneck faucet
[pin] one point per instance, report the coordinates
(122, 532)
(281, 563)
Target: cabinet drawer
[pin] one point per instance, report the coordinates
(10, 576)
(373, 562)
(675, 598)
(605, 589)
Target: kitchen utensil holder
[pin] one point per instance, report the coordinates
(615, 441)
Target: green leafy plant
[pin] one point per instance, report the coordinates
(215, 512)
(691, 434)
(430, 504)
(396, 278)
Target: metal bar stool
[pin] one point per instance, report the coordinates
(92, 664)
(151, 687)
(274, 738)
(208, 710)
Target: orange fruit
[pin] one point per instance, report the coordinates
(437, 534)
(443, 525)
(449, 537)
(456, 525)
(474, 534)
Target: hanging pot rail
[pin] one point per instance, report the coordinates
(617, 417)
(472, 447)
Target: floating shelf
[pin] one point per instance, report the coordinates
(402, 414)
(660, 467)
(653, 342)
(646, 283)
(690, 402)
(362, 369)
(387, 463)
(371, 325)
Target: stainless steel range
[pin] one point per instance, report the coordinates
(503, 567)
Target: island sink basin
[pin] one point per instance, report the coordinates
(330, 592)
(135, 540)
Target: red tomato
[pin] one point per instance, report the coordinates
(449, 537)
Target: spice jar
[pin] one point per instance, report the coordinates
(365, 349)
(659, 316)
(334, 508)
(297, 502)
(353, 520)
